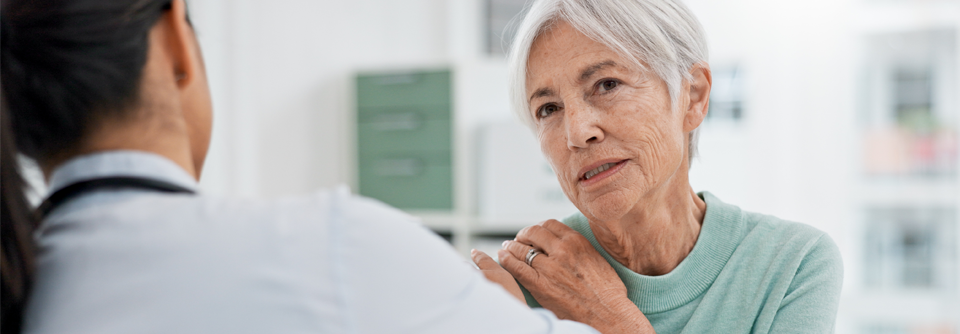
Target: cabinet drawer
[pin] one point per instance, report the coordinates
(403, 132)
(396, 89)
(403, 163)
(376, 114)
(412, 181)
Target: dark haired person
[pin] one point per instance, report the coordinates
(110, 97)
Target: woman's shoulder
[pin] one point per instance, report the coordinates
(798, 266)
(236, 223)
(322, 206)
(764, 230)
(578, 222)
(794, 245)
(779, 233)
(768, 240)
(770, 225)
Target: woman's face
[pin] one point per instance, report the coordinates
(606, 126)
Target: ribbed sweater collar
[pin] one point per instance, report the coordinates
(719, 236)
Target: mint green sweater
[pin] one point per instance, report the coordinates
(747, 273)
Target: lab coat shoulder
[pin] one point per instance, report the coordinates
(136, 262)
(398, 276)
(327, 262)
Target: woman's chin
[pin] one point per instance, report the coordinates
(606, 209)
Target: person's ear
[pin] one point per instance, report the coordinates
(182, 45)
(698, 97)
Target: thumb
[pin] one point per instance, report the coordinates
(483, 261)
(496, 274)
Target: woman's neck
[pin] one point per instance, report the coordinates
(166, 138)
(658, 233)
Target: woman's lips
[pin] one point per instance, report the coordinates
(600, 171)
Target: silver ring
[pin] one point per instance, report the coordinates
(530, 255)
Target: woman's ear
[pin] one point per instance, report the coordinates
(184, 50)
(699, 96)
(184, 64)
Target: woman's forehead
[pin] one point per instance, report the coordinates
(563, 50)
(563, 41)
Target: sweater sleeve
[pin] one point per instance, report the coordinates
(811, 301)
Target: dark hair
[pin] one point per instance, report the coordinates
(63, 65)
(17, 221)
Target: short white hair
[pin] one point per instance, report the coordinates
(663, 34)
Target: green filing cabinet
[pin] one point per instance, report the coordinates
(404, 146)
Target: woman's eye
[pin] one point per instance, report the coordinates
(608, 85)
(546, 110)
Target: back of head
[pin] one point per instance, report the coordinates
(66, 63)
(63, 64)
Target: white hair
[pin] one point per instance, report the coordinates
(663, 34)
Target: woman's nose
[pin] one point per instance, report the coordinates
(582, 127)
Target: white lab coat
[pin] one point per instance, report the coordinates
(138, 261)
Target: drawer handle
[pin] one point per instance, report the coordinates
(407, 121)
(398, 79)
(402, 167)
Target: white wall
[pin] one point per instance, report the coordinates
(795, 139)
(281, 76)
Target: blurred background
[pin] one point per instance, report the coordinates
(842, 114)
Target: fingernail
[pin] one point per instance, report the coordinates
(473, 251)
(504, 244)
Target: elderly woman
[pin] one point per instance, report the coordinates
(615, 91)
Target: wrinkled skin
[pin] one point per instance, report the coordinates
(594, 107)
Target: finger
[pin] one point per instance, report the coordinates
(517, 249)
(518, 268)
(539, 237)
(483, 261)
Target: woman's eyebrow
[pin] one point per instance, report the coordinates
(541, 93)
(590, 70)
(584, 75)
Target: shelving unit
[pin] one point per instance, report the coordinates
(908, 275)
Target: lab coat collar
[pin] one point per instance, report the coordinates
(120, 163)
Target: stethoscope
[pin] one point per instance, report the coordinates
(120, 182)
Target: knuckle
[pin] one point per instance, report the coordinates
(530, 230)
(557, 226)
(515, 247)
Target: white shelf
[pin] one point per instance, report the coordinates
(905, 306)
(465, 229)
(445, 222)
(916, 191)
